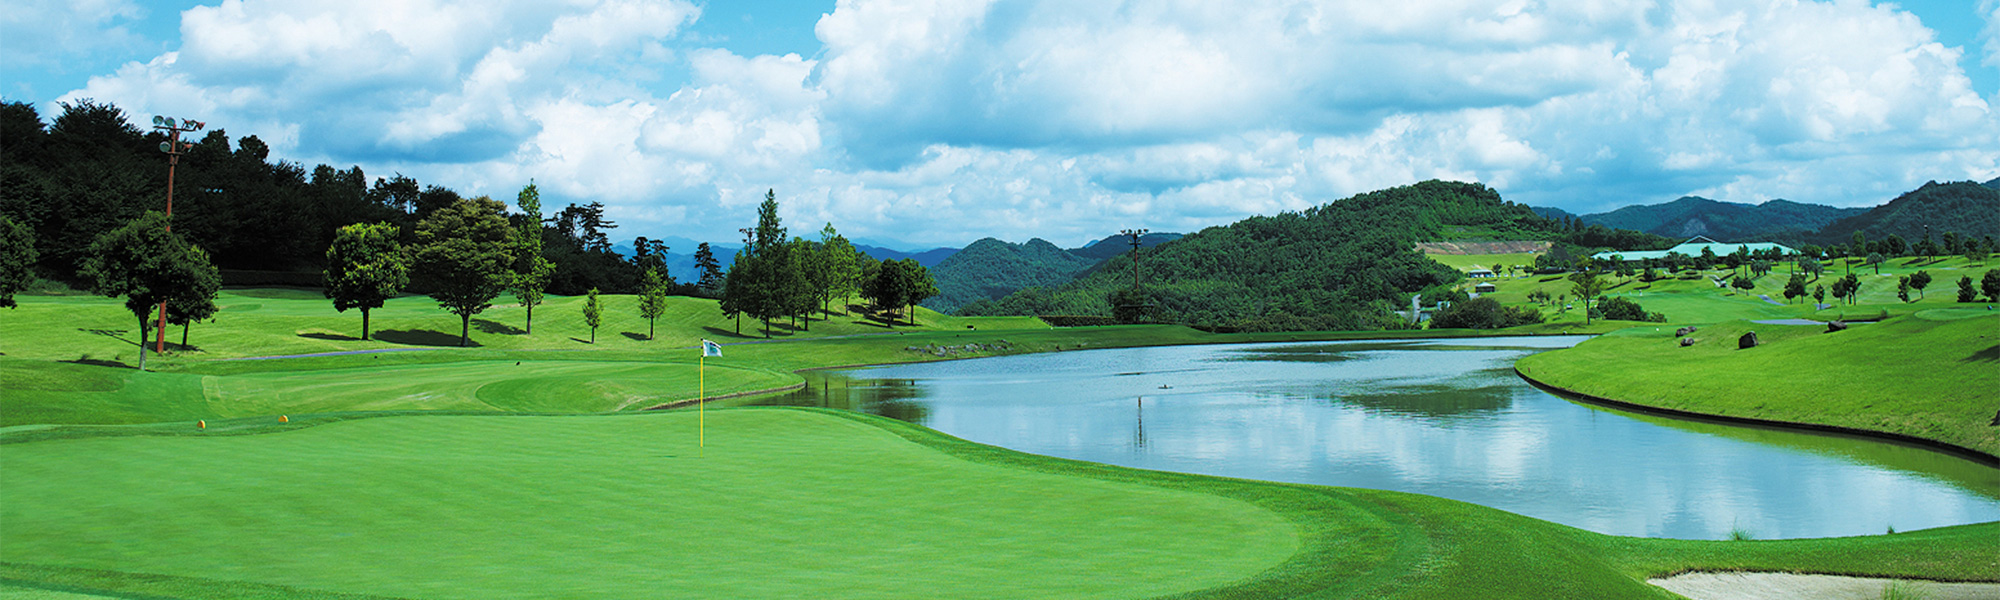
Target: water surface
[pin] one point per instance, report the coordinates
(1441, 417)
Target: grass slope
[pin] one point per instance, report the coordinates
(1931, 374)
(788, 502)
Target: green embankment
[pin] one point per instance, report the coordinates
(788, 502)
(1932, 374)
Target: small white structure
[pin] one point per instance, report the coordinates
(1479, 273)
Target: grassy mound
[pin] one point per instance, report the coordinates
(1929, 375)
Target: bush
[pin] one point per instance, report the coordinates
(1624, 309)
(1483, 313)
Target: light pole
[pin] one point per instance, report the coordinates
(173, 147)
(1135, 234)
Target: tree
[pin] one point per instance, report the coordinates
(196, 301)
(465, 252)
(710, 282)
(17, 259)
(1795, 287)
(1848, 287)
(1989, 284)
(1743, 283)
(593, 313)
(1920, 280)
(1965, 291)
(1819, 295)
(1875, 259)
(532, 271)
(919, 287)
(884, 288)
(1624, 309)
(1587, 286)
(1903, 288)
(843, 263)
(1483, 313)
(737, 292)
(149, 266)
(364, 268)
(652, 299)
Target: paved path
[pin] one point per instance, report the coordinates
(1788, 322)
(1767, 298)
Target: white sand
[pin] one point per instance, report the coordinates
(1787, 586)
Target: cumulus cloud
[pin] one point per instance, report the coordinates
(945, 121)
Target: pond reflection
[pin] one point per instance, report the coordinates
(1446, 418)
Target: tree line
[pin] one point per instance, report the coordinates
(261, 220)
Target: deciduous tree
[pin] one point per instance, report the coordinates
(17, 259)
(593, 313)
(532, 271)
(1587, 286)
(465, 252)
(147, 265)
(364, 268)
(652, 299)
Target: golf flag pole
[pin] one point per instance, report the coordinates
(708, 349)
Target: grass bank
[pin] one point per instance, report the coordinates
(1931, 374)
(788, 502)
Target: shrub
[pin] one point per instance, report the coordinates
(1483, 313)
(1624, 309)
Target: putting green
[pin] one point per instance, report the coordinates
(781, 503)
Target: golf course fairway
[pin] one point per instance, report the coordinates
(780, 503)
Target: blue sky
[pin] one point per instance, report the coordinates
(942, 121)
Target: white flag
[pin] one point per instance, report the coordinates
(709, 348)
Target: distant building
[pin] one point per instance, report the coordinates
(1691, 248)
(1477, 273)
(1484, 288)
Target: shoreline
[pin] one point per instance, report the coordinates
(1955, 450)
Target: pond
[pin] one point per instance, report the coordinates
(1441, 417)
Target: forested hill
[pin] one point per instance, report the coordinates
(1962, 207)
(1995, 183)
(1723, 221)
(991, 269)
(1119, 244)
(928, 258)
(1343, 265)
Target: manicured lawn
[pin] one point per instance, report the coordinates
(786, 503)
(1932, 374)
(1466, 262)
(395, 477)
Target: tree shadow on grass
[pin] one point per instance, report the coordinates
(720, 332)
(419, 337)
(1991, 354)
(332, 336)
(485, 326)
(635, 336)
(116, 334)
(98, 362)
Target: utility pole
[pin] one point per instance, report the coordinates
(1135, 234)
(173, 147)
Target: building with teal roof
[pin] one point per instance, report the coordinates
(1692, 248)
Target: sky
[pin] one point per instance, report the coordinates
(936, 123)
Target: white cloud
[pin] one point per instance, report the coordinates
(942, 122)
(1991, 33)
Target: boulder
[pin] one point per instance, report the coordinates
(1682, 332)
(1749, 340)
(1836, 326)
(1687, 341)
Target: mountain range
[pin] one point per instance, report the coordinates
(1693, 215)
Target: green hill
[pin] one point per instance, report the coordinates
(1965, 207)
(1692, 215)
(991, 269)
(1342, 265)
(1118, 244)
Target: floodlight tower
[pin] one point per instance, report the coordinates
(173, 147)
(1135, 234)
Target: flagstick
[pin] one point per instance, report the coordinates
(701, 400)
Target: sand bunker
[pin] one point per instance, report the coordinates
(1787, 586)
